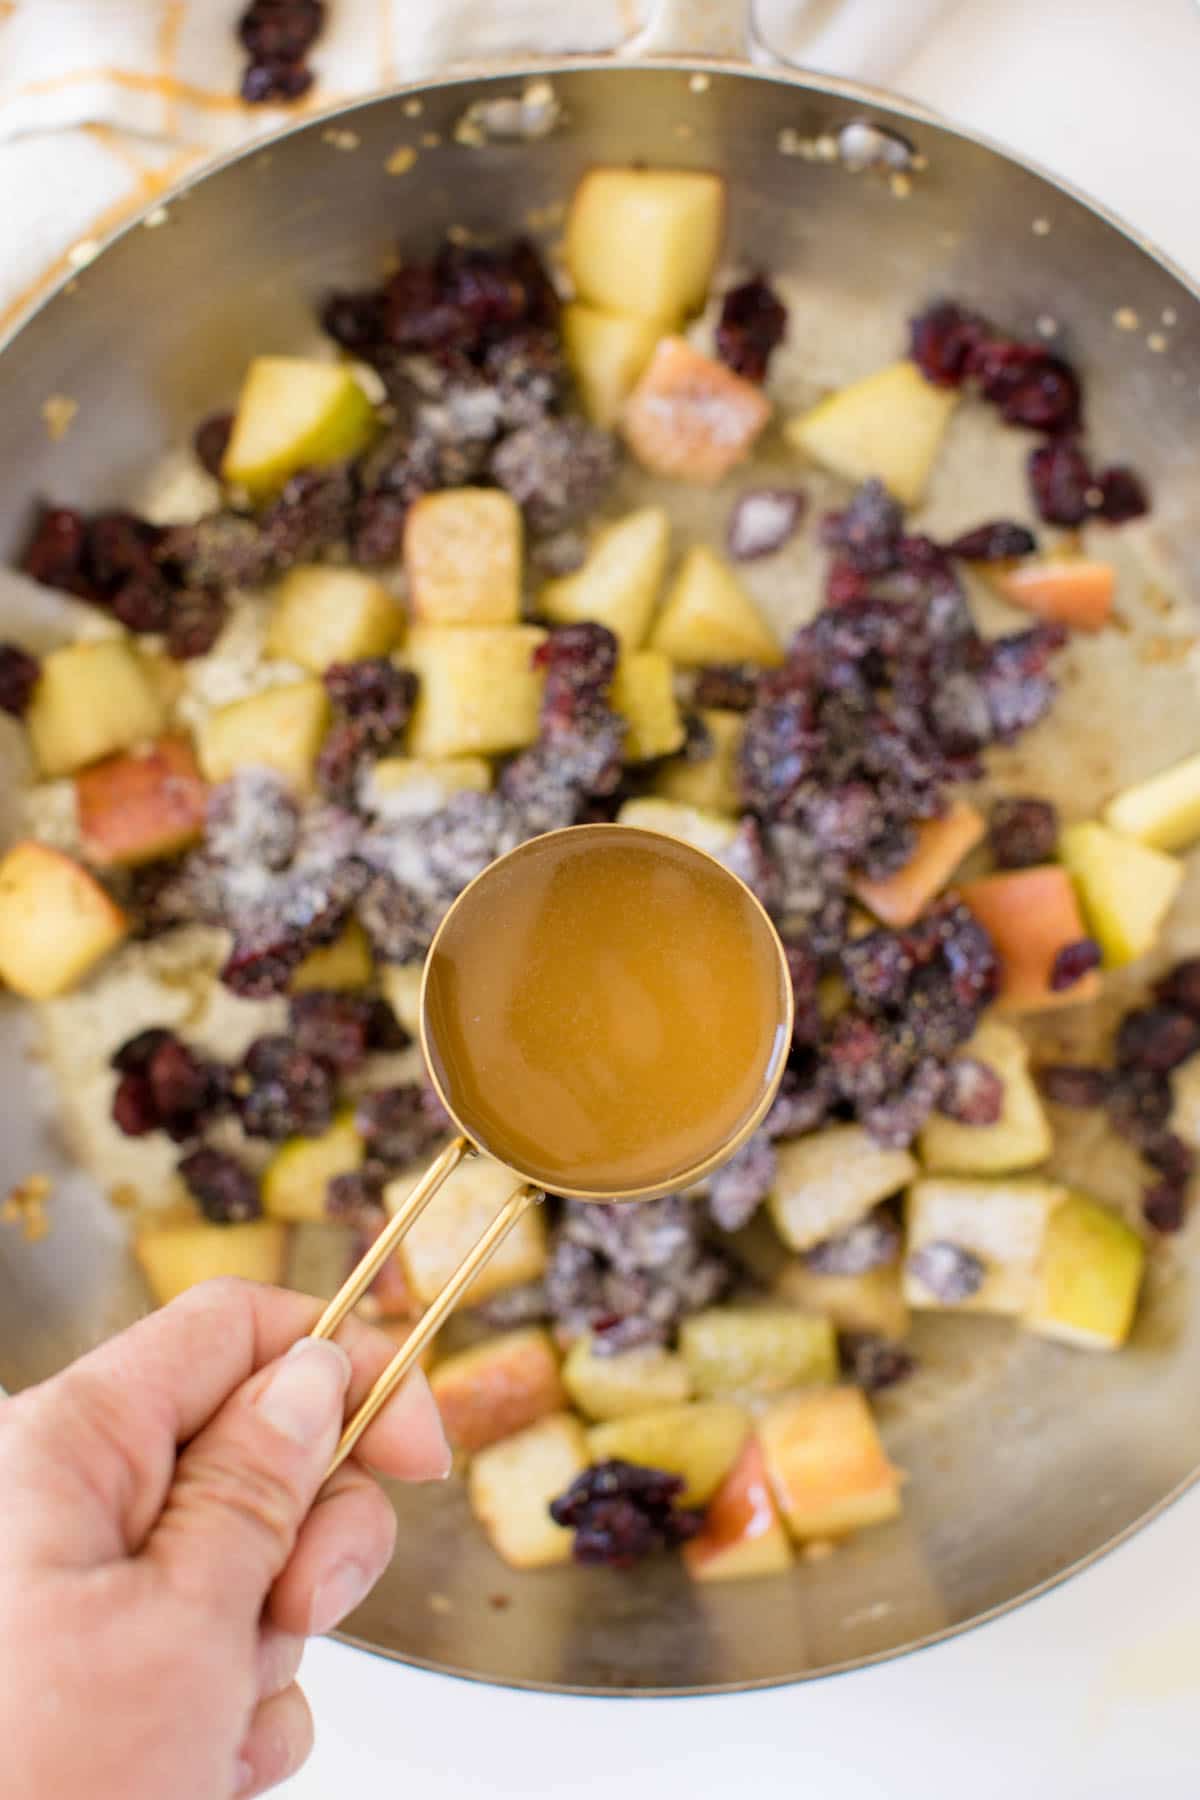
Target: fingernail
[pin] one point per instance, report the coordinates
(244, 1777)
(306, 1394)
(344, 1588)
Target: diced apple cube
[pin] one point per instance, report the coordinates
(756, 1350)
(644, 241)
(175, 1254)
(294, 414)
(323, 615)
(295, 1181)
(700, 1443)
(91, 699)
(1000, 1223)
(512, 1483)
(828, 1181)
(873, 1302)
(827, 1468)
(743, 1533)
(1030, 915)
(643, 693)
(405, 787)
(1126, 888)
(453, 1222)
(497, 1388)
(281, 728)
(1163, 812)
(703, 830)
(1018, 1139)
(1088, 1278)
(617, 585)
(480, 693)
(900, 899)
(708, 617)
(56, 921)
(401, 983)
(606, 352)
(346, 963)
(690, 417)
(713, 784)
(141, 804)
(462, 556)
(608, 1387)
(1069, 590)
(890, 425)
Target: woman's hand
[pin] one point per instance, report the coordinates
(167, 1545)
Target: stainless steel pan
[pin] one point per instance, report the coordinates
(1026, 1460)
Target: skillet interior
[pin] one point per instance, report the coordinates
(1026, 1459)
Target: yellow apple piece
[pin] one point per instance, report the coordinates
(409, 787)
(1088, 1277)
(756, 1350)
(617, 584)
(873, 1302)
(699, 1442)
(1163, 812)
(454, 1221)
(344, 964)
(827, 1467)
(401, 984)
(497, 1388)
(900, 899)
(643, 693)
(714, 783)
(56, 921)
(606, 352)
(141, 804)
(889, 425)
(294, 413)
(743, 1533)
(1126, 888)
(512, 1483)
(175, 1254)
(90, 700)
(480, 694)
(1000, 1222)
(462, 557)
(691, 418)
(1030, 915)
(703, 830)
(323, 615)
(644, 241)
(295, 1181)
(608, 1387)
(708, 617)
(829, 1180)
(281, 728)
(1018, 1139)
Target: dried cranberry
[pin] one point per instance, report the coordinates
(19, 675)
(1123, 495)
(224, 1188)
(739, 1186)
(752, 324)
(1164, 1206)
(258, 967)
(973, 1094)
(728, 687)
(1072, 962)
(868, 531)
(120, 548)
(1061, 482)
(1030, 387)
(1157, 1038)
(265, 83)
(195, 620)
(281, 29)
(210, 440)
(621, 1512)
(950, 1273)
(133, 1057)
(341, 760)
(877, 967)
(355, 321)
(762, 521)
(1016, 680)
(133, 1107)
(165, 1086)
(353, 1195)
(142, 604)
(332, 1026)
(871, 1244)
(558, 470)
(941, 340)
(1075, 1084)
(873, 1362)
(994, 542)
(1180, 986)
(283, 1091)
(376, 695)
(55, 553)
(1139, 1105)
(1022, 832)
(1172, 1158)
(806, 1095)
(399, 1124)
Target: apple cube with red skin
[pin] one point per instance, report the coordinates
(690, 417)
(142, 805)
(498, 1388)
(56, 921)
(900, 899)
(743, 1533)
(827, 1467)
(1030, 915)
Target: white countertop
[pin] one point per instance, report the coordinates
(1091, 1691)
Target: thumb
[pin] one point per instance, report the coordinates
(244, 1486)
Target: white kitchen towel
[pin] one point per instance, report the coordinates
(105, 103)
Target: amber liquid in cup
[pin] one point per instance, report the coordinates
(621, 1018)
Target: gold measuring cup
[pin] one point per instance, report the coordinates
(472, 922)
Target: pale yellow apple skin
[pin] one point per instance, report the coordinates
(56, 922)
(1126, 889)
(294, 414)
(889, 425)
